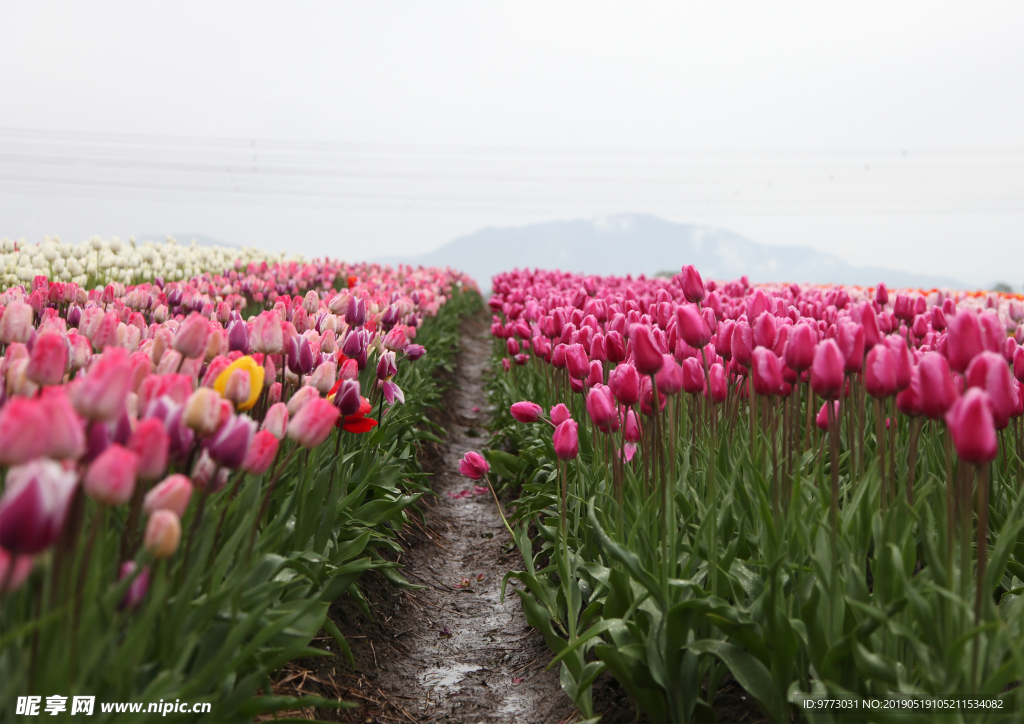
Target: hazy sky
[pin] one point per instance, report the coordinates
(888, 133)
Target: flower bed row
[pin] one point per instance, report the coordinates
(194, 470)
(815, 490)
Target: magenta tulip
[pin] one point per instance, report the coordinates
(474, 465)
(566, 440)
(880, 373)
(718, 383)
(624, 382)
(601, 409)
(693, 328)
(800, 345)
(963, 340)
(766, 372)
(576, 361)
(827, 370)
(526, 411)
(691, 283)
(229, 445)
(971, 425)
(34, 505)
(647, 358)
(937, 389)
(693, 376)
(988, 371)
(136, 589)
(670, 377)
(559, 414)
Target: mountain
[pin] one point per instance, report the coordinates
(641, 244)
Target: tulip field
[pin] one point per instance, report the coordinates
(815, 491)
(201, 450)
(812, 494)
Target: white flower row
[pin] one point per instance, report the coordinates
(101, 261)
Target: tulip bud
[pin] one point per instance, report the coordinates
(624, 382)
(34, 505)
(800, 346)
(151, 444)
(526, 411)
(937, 389)
(880, 373)
(971, 425)
(276, 420)
(718, 384)
(110, 478)
(615, 347)
(172, 493)
(163, 534)
(691, 283)
(566, 440)
(576, 361)
(414, 351)
(49, 359)
(827, 370)
(262, 449)
(202, 411)
(136, 589)
(963, 340)
(312, 424)
(559, 414)
(474, 466)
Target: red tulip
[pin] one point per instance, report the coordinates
(312, 424)
(972, 428)
(963, 340)
(624, 382)
(937, 389)
(261, 453)
(827, 370)
(526, 411)
(172, 493)
(474, 466)
(34, 504)
(566, 440)
(880, 373)
(647, 358)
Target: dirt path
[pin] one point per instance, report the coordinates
(453, 651)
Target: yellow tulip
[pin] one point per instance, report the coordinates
(255, 379)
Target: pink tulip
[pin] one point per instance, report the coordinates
(693, 328)
(800, 346)
(827, 370)
(16, 323)
(691, 283)
(12, 580)
(902, 359)
(647, 358)
(190, 340)
(324, 377)
(624, 382)
(601, 409)
(163, 534)
(963, 340)
(151, 443)
(49, 359)
(526, 411)
(880, 373)
(881, 295)
(937, 389)
(110, 478)
(990, 372)
(566, 440)
(101, 394)
(765, 331)
(313, 423)
(23, 431)
(172, 493)
(276, 420)
(766, 372)
(576, 361)
(34, 505)
(559, 414)
(821, 419)
(302, 397)
(971, 425)
(137, 588)
(670, 377)
(267, 335)
(261, 453)
(718, 384)
(1018, 364)
(908, 401)
(851, 344)
(631, 427)
(474, 466)
(742, 344)
(615, 347)
(693, 376)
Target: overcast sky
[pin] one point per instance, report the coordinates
(891, 134)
